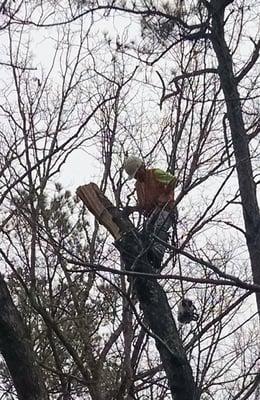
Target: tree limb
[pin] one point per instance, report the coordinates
(250, 63)
(151, 296)
(15, 346)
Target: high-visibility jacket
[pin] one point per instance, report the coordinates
(155, 190)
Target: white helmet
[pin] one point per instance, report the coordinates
(132, 165)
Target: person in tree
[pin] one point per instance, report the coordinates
(155, 200)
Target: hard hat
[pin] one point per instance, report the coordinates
(132, 165)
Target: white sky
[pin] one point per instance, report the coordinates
(81, 167)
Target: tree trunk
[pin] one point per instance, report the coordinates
(158, 316)
(15, 346)
(150, 294)
(246, 182)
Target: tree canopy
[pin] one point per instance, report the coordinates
(83, 83)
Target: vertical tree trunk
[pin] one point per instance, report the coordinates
(16, 348)
(151, 295)
(246, 182)
(158, 315)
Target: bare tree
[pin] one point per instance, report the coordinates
(159, 95)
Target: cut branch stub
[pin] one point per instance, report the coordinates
(103, 210)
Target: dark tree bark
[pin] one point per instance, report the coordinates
(158, 316)
(246, 182)
(150, 294)
(16, 348)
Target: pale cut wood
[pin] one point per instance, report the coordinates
(99, 206)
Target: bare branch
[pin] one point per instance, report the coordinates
(251, 62)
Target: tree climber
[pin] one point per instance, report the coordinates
(155, 200)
